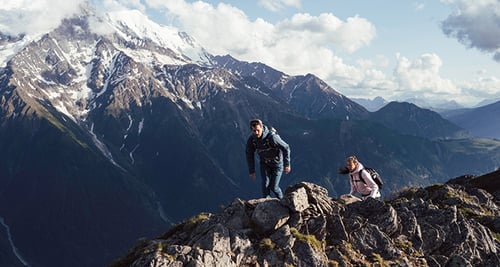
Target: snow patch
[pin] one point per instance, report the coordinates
(15, 250)
(164, 36)
(141, 125)
(102, 147)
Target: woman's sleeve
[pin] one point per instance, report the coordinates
(352, 185)
(370, 183)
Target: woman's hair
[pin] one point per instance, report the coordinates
(255, 122)
(352, 159)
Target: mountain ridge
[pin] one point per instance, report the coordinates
(481, 121)
(407, 118)
(419, 226)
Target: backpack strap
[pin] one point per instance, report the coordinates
(361, 176)
(269, 140)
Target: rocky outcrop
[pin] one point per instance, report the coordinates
(441, 225)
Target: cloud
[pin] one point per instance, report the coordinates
(476, 25)
(278, 5)
(422, 75)
(328, 30)
(34, 17)
(303, 42)
(483, 87)
(418, 5)
(118, 5)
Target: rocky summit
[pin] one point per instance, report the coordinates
(441, 225)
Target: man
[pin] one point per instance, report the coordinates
(361, 181)
(274, 155)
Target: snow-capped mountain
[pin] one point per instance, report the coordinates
(93, 48)
(114, 128)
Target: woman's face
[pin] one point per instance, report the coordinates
(351, 165)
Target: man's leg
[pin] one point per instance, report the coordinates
(264, 173)
(274, 182)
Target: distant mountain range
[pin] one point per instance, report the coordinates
(113, 135)
(378, 102)
(481, 121)
(409, 119)
(371, 104)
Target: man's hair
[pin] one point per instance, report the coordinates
(255, 122)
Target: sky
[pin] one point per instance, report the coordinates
(432, 50)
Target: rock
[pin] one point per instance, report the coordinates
(441, 225)
(269, 216)
(216, 238)
(348, 199)
(296, 201)
(307, 255)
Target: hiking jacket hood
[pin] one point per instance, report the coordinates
(272, 150)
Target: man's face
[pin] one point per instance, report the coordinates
(257, 130)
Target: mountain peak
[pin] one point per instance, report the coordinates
(132, 31)
(410, 119)
(308, 228)
(371, 104)
(134, 25)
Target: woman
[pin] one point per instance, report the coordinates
(361, 181)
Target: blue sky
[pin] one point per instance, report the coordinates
(437, 50)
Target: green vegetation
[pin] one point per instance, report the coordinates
(187, 225)
(309, 239)
(266, 244)
(43, 113)
(333, 263)
(378, 259)
(160, 248)
(467, 212)
(469, 145)
(196, 219)
(405, 192)
(134, 254)
(496, 236)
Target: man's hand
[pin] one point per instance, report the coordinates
(288, 169)
(252, 176)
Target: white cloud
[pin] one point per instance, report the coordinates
(303, 42)
(483, 87)
(328, 30)
(418, 5)
(118, 5)
(34, 17)
(277, 5)
(475, 24)
(422, 76)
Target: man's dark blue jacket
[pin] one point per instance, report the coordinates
(272, 150)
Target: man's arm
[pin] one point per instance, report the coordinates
(285, 148)
(250, 151)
